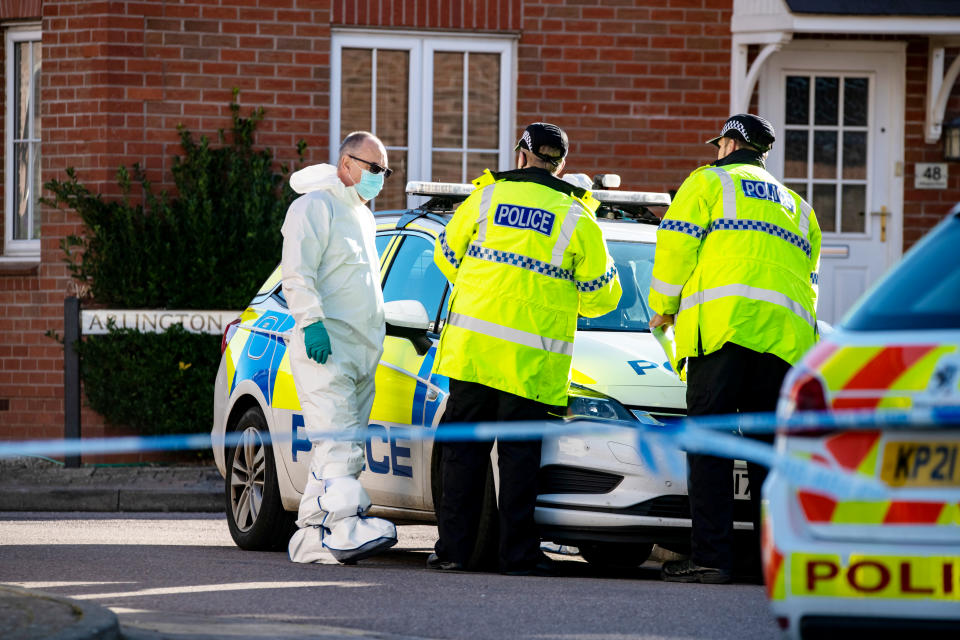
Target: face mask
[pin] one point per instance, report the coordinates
(370, 184)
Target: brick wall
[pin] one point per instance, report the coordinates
(118, 77)
(482, 15)
(924, 208)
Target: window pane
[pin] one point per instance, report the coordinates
(483, 79)
(392, 89)
(448, 100)
(825, 205)
(477, 162)
(853, 215)
(855, 101)
(855, 155)
(447, 167)
(799, 187)
(394, 194)
(825, 100)
(21, 209)
(21, 100)
(798, 100)
(795, 152)
(825, 154)
(35, 83)
(414, 276)
(383, 240)
(355, 90)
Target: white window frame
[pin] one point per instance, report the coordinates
(18, 248)
(422, 46)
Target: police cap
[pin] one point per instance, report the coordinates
(746, 127)
(543, 134)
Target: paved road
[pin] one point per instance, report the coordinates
(179, 576)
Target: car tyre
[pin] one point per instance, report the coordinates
(255, 513)
(486, 549)
(615, 556)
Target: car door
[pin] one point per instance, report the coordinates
(398, 471)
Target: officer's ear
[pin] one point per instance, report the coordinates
(521, 160)
(560, 167)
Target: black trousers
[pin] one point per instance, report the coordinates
(464, 467)
(733, 379)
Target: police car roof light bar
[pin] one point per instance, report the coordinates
(452, 189)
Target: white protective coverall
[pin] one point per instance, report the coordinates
(331, 272)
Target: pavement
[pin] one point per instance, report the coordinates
(39, 484)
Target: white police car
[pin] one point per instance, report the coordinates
(836, 564)
(594, 491)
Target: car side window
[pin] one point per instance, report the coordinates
(414, 276)
(382, 241)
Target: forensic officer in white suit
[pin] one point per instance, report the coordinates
(331, 280)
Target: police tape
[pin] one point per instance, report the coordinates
(705, 435)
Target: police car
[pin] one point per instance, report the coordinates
(891, 565)
(594, 491)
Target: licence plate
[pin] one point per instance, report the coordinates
(741, 484)
(921, 464)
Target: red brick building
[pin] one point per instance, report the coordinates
(858, 100)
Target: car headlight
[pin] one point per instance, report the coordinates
(587, 403)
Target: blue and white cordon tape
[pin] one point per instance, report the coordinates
(710, 435)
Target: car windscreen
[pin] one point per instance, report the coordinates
(923, 292)
(634, 262)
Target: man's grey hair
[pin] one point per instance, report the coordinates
(537, 161)
(355, 140)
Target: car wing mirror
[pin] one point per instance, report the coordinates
(408, 319)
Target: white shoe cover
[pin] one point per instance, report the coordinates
(333, 526)
(306, 546)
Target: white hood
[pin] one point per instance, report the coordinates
(628, 366)
(315, 178)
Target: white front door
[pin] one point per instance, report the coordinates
(838, 112)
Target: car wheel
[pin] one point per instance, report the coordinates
(486, 549)
(255, 513)
(615, 555)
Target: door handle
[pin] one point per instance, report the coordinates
(883, 213)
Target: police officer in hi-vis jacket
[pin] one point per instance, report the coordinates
(735, 272)
(525, 256)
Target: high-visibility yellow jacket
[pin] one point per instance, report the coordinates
(525, 255)
(737, 261)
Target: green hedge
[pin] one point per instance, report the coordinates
(156, 383)
(209, 246)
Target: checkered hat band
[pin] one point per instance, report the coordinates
(765, 227)
(736, 126)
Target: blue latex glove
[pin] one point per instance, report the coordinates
(317, 341)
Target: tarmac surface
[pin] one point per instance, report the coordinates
(39, 484)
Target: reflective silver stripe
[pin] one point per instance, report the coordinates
(805, 210)
(486, 197)
(510, 334)
(566, 233)
(729, 193)
(666, 289)
(743, 291)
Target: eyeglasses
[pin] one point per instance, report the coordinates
(374, 167)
